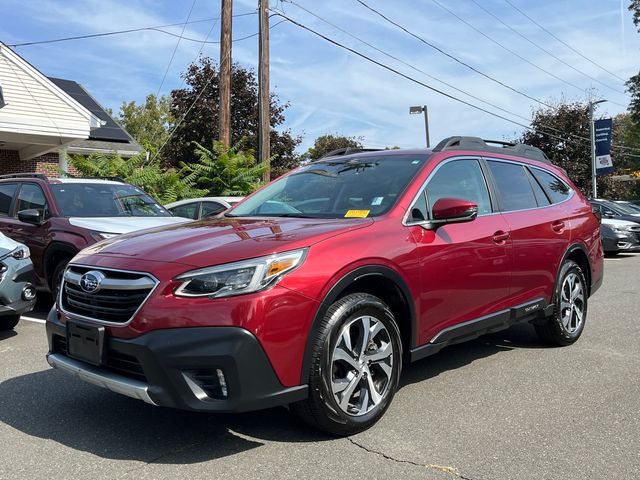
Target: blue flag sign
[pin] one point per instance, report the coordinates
(603, 129)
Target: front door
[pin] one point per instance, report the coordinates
(465, 267)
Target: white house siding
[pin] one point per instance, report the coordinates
(35, 106)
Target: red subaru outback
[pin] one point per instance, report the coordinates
(316, 289)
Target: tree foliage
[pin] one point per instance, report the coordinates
(201, 124)
(572, 151)
(327, 143)
(149, 123)
(634, 7)
(224, 171)
(165, 185)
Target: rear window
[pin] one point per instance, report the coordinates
(514, 186)
(556, 189)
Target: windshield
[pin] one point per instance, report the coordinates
(628, 208)
(616, 207)
(336, 188)
(104, 200)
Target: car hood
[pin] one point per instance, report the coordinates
(7, 245)
(123, 224)
(618, 223)
(223, 240)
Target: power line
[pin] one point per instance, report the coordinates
(541, 48)
(454, 58)
(516, 54)
(193, 4)
(156, 28)
(393, 57)
(397, 72)
(562, 42)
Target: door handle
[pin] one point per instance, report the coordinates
(557, 226)
(500, 237)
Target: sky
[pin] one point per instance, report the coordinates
(334, 91)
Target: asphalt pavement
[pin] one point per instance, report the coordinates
(500, 407)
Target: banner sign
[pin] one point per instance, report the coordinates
(603, 130)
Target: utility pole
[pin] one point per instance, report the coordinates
(225, 73)
(594, 167)
(264, 101)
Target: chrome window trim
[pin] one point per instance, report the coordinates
(75, 316)
(405, 218)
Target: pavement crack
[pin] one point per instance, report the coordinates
(454, 472)
(154, 460)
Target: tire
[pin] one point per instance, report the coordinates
(364, 379)
(567, 322)
(56, 277)
(8, 322)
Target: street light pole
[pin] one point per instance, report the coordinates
(592, 133)
(422, 109)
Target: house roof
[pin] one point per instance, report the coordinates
(110, 136)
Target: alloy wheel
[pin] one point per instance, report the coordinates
(361, 365)
(572, 303)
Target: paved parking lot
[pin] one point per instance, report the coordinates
(500, 407)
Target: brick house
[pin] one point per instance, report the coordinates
(40, 116)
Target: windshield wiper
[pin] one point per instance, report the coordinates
(317, 171)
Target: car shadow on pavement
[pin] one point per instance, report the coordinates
(459, 355)
(54, 406)
(7, 334)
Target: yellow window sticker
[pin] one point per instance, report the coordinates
(357, 214)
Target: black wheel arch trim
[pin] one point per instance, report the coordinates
(588, 275)
(54, 248)
(334, 293)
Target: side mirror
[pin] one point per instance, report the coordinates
(30, 216)
(609, 214)
(451, 210)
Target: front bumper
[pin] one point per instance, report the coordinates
(166, 367)
(620, 243)
(18, 275)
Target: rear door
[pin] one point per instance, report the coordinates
(539, 226)
(465, 267)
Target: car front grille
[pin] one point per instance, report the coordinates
(115, 298)
(116, 361)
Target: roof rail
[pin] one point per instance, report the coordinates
(476, 143)
(347, 151)
(41, 176)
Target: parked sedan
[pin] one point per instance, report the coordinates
(17, 292)
(197, 208)
(619, 236)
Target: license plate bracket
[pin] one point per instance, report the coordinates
(85, 342)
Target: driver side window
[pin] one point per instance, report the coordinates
(462, 179)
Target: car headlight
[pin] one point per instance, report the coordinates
(21, 252)
(621, 228)
(237, 278)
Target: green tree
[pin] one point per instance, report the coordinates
(572, 151)
(165, 185)
(201, 123)
(327, 143)
(149, 123)
(224, 171)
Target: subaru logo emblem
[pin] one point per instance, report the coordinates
(90, 281)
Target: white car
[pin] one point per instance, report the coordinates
(197, 208)
(17, 292)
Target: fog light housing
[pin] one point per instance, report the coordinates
(29, 293)
(207, 383)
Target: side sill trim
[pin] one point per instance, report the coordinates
(96, 376)
(479, 326)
